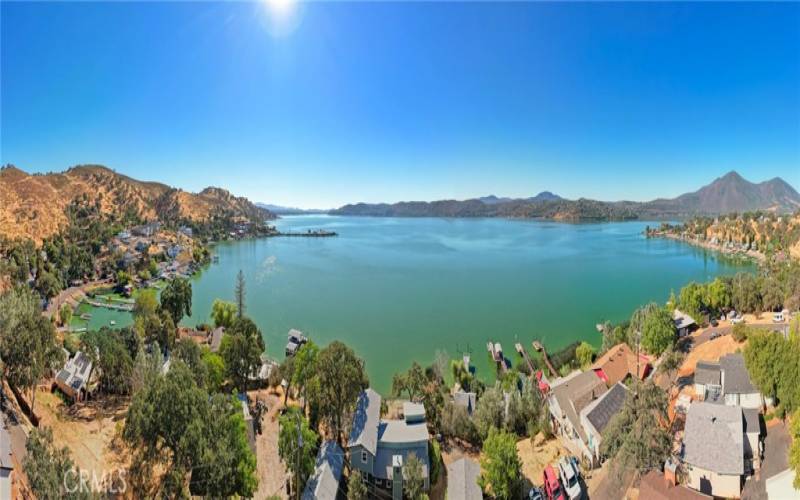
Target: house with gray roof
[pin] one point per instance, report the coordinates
(73, 378)
(379, 448)
(714, 450)
(462, 480)
(737, 387)
(596, 416)
(567, 398)
(324, 483)
(754, 434)
(707, 380)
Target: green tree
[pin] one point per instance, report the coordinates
(745, 293)
(223, 313)
(635, 437)
(305, 367)
(692, 299)
(65, 314)
(794, 451)
(413, 478)
(340, 378)
(299, 460)
(50, 470)
(47, 284)
(241, 350)
(490, 411)
(656, 327)
(356, 489)
(500, 465)
(240, 293)
(28, 344)
(411, 382)
(718, 295)
(176, 299)
(461, 374)
(215, 370)
(772, 293)
(739, 332)
(584, 353)
(457, 423)
(111, 360)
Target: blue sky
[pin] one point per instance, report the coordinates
(330, 103)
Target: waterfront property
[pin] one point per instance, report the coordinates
(596, 416)
(684, 324)
(324, 482)
(568, 397)
(379, 448)
(619, 363)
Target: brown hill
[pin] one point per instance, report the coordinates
(34, 205)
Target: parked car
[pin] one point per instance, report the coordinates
(536, 493)
(777, 317)
(551, 485)
(570, 477)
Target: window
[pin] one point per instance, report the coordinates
(388, 484)
(379, 482)
(363, 457)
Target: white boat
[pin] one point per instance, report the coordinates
(112, 322)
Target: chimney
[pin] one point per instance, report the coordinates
(671, 472)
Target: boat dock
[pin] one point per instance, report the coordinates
(496, 351)
(539, 347)
(522, 352)
(110, 305)
(316, 233)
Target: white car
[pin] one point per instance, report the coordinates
(737, 320)
(570, 478)
(777, 317)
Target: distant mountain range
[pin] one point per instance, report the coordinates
(280, 210)
(34, 206)
(729, 193)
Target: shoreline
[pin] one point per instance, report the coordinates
(749, 254)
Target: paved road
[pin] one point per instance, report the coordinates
(16, 432)
(776, 452)
(727, 329)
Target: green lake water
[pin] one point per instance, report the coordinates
(399, 289)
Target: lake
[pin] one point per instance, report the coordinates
(399, 289)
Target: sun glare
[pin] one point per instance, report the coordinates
(281, 16)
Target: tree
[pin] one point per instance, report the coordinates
(524, 408)
(772, 293)
(671, 362)
(223, 313)
(111, 359)
(240, 294)
(490, 411)
(584, 353)
(356, 489)
(500, 465)
(456, 423)
(692, 299)
(612, 335)
(656, 327)
(28, 344)
(65, 314)
(461, 374)
(718, 295)
(305, 367)
(411, 382)
(50, 470)
(215, 370)
(145, 304)
(241, 350)
(413, 478)
(635, 437)
(794, 451)
(176, 299)
(299, 460)
(745, 293)
(340, 378)
(739, 332)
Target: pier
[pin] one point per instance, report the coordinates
(111, 305)
(496, 351)
(539, 347)
(522, 352)
(316, 233)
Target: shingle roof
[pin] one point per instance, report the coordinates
(575, 393)
(619, 362)
(600, 412)
(714, 438)
(398, 431)
(324, 483)
(682, 320)
(366, 418)
(735, 379)
(462, 480)
(707, 373)
(752, 420)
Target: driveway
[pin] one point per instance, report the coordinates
(776, 453)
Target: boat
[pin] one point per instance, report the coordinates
(112, 322)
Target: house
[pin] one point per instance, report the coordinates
(295, 340)
(73, 378)
(597, 414)
(379, 448)
(568, 396)
(684, 324)
(462, 480)
(324, 483)
(781, 485)
(6, 463)
(737, 387)
(186, 231)
(707, 381)
(713, 449)
(753, 433)
(619, 363)
(465, 400)
(654, 486)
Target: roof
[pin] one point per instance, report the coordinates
(465, 399)
(216, 338)
(617, 363)
(462, 480)
(5, 448)
(574, 393)
(366, 418)
(655, 487)
(736, 379)
(752, 420)
(682, 320)
(714, 439)
(707, 373)
(399, 432)
(780, 485)
(76, 371)
(413, 411)
(324, 483)
(600, 411)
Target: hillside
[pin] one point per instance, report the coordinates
(34, 205)
(727, 194)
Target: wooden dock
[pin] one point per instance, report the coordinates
(496, 351)
(540, 347)
(522, 352)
